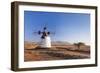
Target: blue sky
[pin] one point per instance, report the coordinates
(70, 27)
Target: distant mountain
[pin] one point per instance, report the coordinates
(30, 45)
(62, 43)
(28, 42)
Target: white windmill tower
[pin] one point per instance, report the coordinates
(45, 38)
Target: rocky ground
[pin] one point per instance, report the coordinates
(54, 53)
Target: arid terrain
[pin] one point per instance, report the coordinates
(58, 51)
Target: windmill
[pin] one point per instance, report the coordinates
(45, 38)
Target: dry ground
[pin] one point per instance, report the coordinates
(33, 52)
